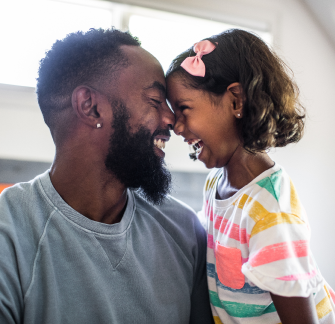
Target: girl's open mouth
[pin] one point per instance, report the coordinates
(196, 146)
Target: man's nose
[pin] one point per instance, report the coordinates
(168, 116)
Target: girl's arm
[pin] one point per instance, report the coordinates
(295, 310)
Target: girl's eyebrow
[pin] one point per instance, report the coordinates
(180, 101)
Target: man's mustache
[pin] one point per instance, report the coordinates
(164, 132)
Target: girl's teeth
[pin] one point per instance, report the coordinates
(198, 151)
(194, 141)
(195, 149)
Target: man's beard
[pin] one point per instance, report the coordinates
(131, 158)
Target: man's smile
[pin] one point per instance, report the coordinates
(159, 142)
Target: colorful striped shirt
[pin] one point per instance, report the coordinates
(258, 242)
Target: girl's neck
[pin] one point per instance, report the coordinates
(242, 168)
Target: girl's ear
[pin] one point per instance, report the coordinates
(84, 103)
(237, 94)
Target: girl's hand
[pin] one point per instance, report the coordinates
(295, 310)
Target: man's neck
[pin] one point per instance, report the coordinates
(90, 191)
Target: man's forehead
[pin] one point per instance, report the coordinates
(137, 55)
(144, 71)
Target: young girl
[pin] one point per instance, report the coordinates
(233, 100)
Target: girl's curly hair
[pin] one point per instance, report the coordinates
(272, 113)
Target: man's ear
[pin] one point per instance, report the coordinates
(84, 103)
(236, 90)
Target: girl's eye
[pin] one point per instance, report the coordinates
(182, 108)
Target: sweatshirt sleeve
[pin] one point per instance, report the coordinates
(11, 294)
(200, 305)
(20, 233)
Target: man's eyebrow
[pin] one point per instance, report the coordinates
(157, 85)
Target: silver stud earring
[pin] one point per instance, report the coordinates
(99, 125)
(238, 115)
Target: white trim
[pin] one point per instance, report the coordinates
(230, 12)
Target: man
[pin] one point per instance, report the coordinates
(78, 243)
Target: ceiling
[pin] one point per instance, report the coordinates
(324, 13)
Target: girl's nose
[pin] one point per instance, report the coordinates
(168, 117)
(179, 126)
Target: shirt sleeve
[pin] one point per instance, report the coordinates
(200, 306)
(280, 260)
(11, 300)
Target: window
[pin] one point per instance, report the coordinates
(166, 35)
(29, 28)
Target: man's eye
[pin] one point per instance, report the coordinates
(156, 103)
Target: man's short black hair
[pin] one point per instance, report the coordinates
(79, 59)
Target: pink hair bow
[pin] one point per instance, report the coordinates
(194, 65)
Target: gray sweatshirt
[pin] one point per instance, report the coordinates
(57, 266)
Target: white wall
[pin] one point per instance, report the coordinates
(297, 38)
(23, 134)
(312, 58)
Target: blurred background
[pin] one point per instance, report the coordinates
(302, 32)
